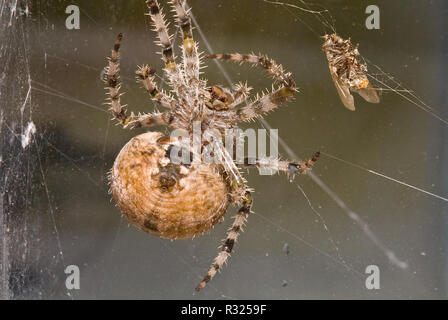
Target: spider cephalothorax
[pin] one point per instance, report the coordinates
(181, 199)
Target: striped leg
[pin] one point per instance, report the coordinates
(146, 78)
(148, 120)
(113, 84)
(276, 71)
(240, 94)
(173, 73)
(262, 105)
(290, 168)
(189, 47)
(266, 102)
(232, 235)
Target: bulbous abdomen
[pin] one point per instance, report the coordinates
(166, 199)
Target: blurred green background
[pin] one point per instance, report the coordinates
(56, 202)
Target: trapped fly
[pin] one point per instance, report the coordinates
(346, 71)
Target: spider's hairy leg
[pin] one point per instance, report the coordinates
(145, 76)
(291, 168)
(232, 235)
(262, 105)
(189, 47)
(113, 83)
(149, 119)
(240, 94)
(171, 68)
(267, 102)
(275, 70)
(183, 17)
(299, 167)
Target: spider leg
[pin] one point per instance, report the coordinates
(240, 94)
(232, 235)
(262, 105)
(191, 61)
(290, 168)
(146, 78)
(171, 69)
(149, 120)
(266, 102)
(275, 70)
(113, 84)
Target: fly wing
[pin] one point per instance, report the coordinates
(344, 92)
(369, 94)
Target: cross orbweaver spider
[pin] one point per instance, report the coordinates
(173, 200)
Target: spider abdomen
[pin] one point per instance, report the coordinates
(166, 199)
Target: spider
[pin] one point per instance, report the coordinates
(347, 73)
(181, 200)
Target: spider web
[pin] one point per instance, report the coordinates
(30, 244)
(57, 145)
